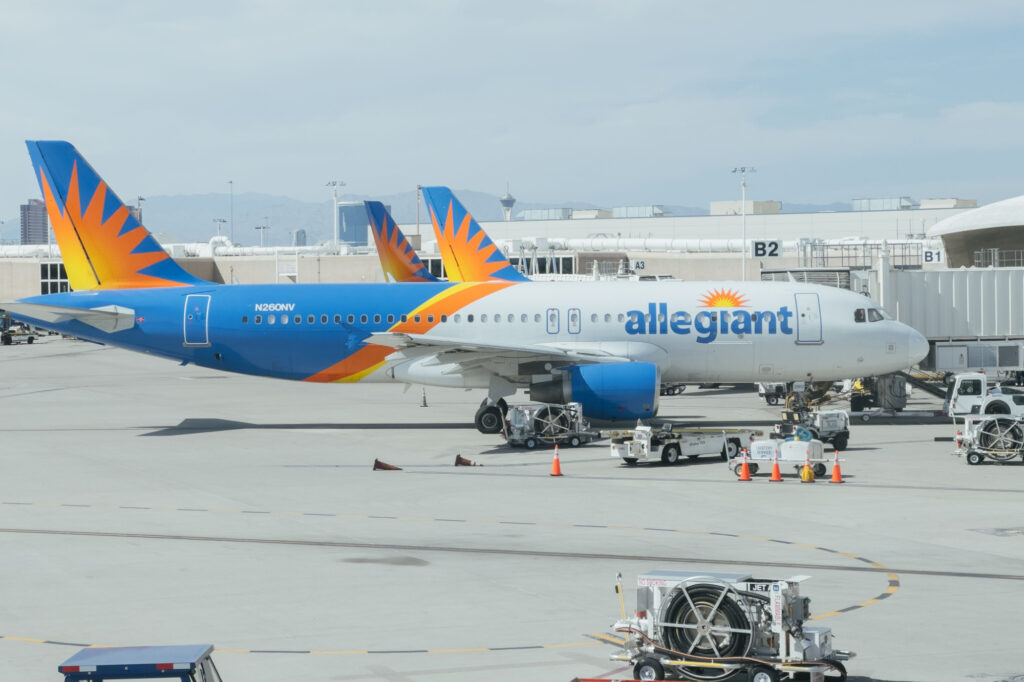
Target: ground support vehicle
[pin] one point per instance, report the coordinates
(188, 663)
(711, 626)
(999, 438)
(974, 393)
(645, 443)
(17, 333)
(531, 424)
(672, 389)
(828, 426)
(772, 393)
(788, 451)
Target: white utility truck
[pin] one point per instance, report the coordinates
(974, 393)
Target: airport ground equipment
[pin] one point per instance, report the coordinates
(828, 426)
(671, 445)
(712, 626)
(772, 393)
(672, 389)
(789, 452)
(531, 424)
(187, 663)
(975, 393)
(999, 438)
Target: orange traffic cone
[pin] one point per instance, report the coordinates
(744, 468)
(556, 466)
(806, 472)
(837, 473)
(776, 474)
(384, 466)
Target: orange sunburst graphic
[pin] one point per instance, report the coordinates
(396, 257)
(95, 254)
(465, 255)
(723, 298)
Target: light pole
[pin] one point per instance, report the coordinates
(220, 223)
(231, 189)
(334, 185)
(743, 170)
(138, 207)
(263, 230)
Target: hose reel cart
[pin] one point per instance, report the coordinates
(712, 626)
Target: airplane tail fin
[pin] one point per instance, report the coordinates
(469, 254)
(397, 258)
(102, 244)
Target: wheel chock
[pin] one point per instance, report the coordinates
(384, 466)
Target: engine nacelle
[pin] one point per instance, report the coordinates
(613, 392)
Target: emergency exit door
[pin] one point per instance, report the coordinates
(197, 326)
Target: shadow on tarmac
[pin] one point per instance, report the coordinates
(193, 426)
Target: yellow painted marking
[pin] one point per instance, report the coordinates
(893, 576)
(891, 589)
(825, 615)
(608, 638)
(848, 555)
(869, 602)
(25, 639)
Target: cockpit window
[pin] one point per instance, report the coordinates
(874, 315)
(859, 315)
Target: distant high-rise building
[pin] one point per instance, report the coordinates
(34, 223)
(354, 222)
(299, 238)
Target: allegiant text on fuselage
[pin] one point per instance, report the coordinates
(708, 325)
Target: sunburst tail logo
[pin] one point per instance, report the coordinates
(723, 298)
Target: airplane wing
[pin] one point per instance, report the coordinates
(401, 340)
(108, 318)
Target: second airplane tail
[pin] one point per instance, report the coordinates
(397, 257)
(469, 254)
(102, 244)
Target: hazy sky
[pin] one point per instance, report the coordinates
(612, 103)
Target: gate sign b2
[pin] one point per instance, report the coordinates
(765, 248)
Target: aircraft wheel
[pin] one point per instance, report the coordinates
(488, 419)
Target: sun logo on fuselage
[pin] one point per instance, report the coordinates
(723, 298)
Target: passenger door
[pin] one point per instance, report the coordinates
(808, 318)
(197, 308)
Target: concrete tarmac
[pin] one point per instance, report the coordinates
(146, 503)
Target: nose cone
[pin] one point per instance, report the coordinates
(917, 347)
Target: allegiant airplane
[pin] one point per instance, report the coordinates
(606, 345)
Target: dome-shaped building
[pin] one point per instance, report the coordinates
(989, 235)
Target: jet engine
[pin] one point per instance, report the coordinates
(624, 391)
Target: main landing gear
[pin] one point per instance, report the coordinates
(491, 416)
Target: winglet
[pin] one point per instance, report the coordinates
(469, 254)
(102, 244)
(397, 258)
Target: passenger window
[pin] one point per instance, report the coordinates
(430, 318)
(376, 319)
(259, 319)
(351, 319)
(245, 319)
(858, 315)
(524, 317)
(511, 317)
(284, 319)
(391, 319)
(483, 318)
(444, 318)
(622, 318)
(416, 319)
(607, 317)
(271, 319)
(405, 318)
(363, 319)
(298, 319)
(874, 315)
(311, 318)
(323, 319)
(593, 317)
(457, 318)
(536, 317)
(497, 318)
(337, 319)
(469, 318)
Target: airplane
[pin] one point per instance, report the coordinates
(605, 345)
(398, 259)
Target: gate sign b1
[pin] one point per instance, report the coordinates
(765, 248)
